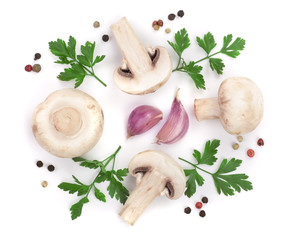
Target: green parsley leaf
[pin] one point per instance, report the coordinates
(72, 47)
(194, 72)
(228, 166)
(116, 189)
(72, 188)
(76, 209)
(193, 178)
(182, 41)
(87, 163)
(208, 156)
(98, 59)
(121, 173)
(234, 49)
(99, 195)
(59, 48)
(217, 65)
(75, 72)
(207, 43)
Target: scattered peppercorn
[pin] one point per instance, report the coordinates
(96, 24)
(171, 16)
(160, 22)
(240, 138)
(44, 184)
(51, 168)
(198, 205)
(251, 153)
(204, 200)
(260, 142)
(28, 68)
(39, 163)
(36, 68)
(235, 146)
(202, 213)
(168, 30)
(187, 210)
(154, 23)
(37, 56)
(156, 27)
(105, 38)
(180, 13)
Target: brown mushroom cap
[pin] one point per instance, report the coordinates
(241, 105)
(68, 123)
(161, 162)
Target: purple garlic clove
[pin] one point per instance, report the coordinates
(176, 125)
(142, 119)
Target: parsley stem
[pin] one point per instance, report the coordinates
(207, 57)
(195, 166)
(203, 170)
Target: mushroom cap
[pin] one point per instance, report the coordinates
(68, 123)
(241, 105)
(147, 82)
(152, 160)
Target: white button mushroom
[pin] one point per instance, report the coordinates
(142, 71)
(239, 106)
(156, 174)
(68, 123)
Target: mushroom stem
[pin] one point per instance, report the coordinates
(206, 108)
(137, 58)
(152, 185)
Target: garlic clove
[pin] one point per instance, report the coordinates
(142, 119)
(176, 125)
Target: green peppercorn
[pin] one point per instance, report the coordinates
(168, 30)
(96, 24)
(156, 27)
(235, 146)
(240, 138)
(36, 68)
(44, 184)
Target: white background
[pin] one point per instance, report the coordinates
(29, 211)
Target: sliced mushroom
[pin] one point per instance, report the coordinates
(142, 71)
(68, 123)
(239, 106)
(156, 174)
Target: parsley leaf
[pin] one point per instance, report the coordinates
(81, 66)
(216, 64)
(115, 188)
(234, 49)
(194, 72)
(182, 42)
(224, 183)
(207, 43)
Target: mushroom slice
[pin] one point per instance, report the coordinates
(68, 123)
(157, 174)
(239, 106)
(142, 71)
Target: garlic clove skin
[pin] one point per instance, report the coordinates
(176, 125)
(142, 119)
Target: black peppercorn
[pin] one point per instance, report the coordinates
(204, 200)
(187, 210)
(180, 13)
(105, 37)
(37, 56)
(51, 168)
(171, 16)
(202, 213)
(39, 163)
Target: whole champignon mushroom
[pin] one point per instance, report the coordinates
(239, 106)
(156, 174)
(142, 71)
(68, 123)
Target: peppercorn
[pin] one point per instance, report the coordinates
(37, 56)
(105, 37)
(171, 16)
(28, 68)
(198, 205)
(160, 23)
(202, 213)
(204, 200)
(44, 184)
(180, 13)
(154, 23)
(240, 138)
(96, 24)
(235, 146)
(39, 163)
(251, 153)
(51, 168)
(168, 30)
(36, 68)
(260, 142)
(187, 210)
(156, 27)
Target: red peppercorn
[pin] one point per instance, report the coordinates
(251, 153)
(198, 205)
(160, 23)
(28, 68)
(260, 142)
(155, 23)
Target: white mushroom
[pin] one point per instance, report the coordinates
(68, 123)
(157, 174)
(239, 106)
(142, 71)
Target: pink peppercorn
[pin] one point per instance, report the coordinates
(198, 205)
(28, 68)
(251, 153)
(260, 142)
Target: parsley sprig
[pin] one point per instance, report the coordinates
(114, 177)
(81, 65)
(207, 43)
(225, 183)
